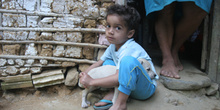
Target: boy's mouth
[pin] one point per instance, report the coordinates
(110, 38)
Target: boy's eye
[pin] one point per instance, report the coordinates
(108, 26)
(118, 28)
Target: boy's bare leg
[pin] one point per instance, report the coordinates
(192, 18)
(121, 102)
(165, 31)
(108, 96)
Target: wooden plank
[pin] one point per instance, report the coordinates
(205, 43)
(94, 30)
(54, 43)
(16, 85)
(48, 78)
(18, 78)
(48, 58)
(215, 48)
(218, 72)
(37, 13)
(40, 85)
(47, 73)
(36, 65)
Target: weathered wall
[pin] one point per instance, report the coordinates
(41, 15)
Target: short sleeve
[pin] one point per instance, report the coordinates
(107, 54)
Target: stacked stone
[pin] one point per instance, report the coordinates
(75, 14)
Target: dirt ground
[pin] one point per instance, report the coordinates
(60, 97)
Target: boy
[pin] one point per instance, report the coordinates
(124, 52)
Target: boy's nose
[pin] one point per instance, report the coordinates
(111, 31)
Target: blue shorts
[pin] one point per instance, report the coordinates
(133, 79)
(157, 5)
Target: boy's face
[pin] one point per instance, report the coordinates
(116, 31)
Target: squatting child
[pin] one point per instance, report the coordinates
(124, 52)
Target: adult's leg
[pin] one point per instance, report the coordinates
(164, 28)
(192, 18)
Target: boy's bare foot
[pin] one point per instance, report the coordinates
(117, 106)
(169, 69)
(108, 96)
(121, 102)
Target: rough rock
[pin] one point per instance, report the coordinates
(14, 20)
(46, 5)
(59, 36)
(22, 35)
(90, 23)
(212, 90)
(43, 62)
(103, 12)
(32, 21)
(46, 52)
(7, 35)
(47, 46)
(30, 61)
(188, 81)
(59, 51)
(102, 22)
(30, 5)
(7, 4)
(46, 36)
(58, 6)
(19, 4)
(33, 35)
(20, 62)
(47, 22)
(68, 64)
(72, 77)
(11, 62)
(89, 37)
(3, 62)
(35, 70)
(75, 52)
(105, 5)
(83, 67)
(31, 50)
(90, 11)
(74, 37)
(11, 49)
(24, 70)
(68, 22)
(11, 70)
(88, 52)
(76, 8)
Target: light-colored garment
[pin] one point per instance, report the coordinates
(157, 5)
(129, 48)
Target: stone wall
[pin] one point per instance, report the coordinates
(36, 35)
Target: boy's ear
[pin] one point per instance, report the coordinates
(131, 33)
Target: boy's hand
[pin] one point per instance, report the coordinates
(85, 79)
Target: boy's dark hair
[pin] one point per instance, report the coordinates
(129, 14)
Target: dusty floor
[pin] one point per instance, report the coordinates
(61, 98)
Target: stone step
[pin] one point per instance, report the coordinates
(188, 81)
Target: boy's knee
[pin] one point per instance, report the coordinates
(128, 60)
